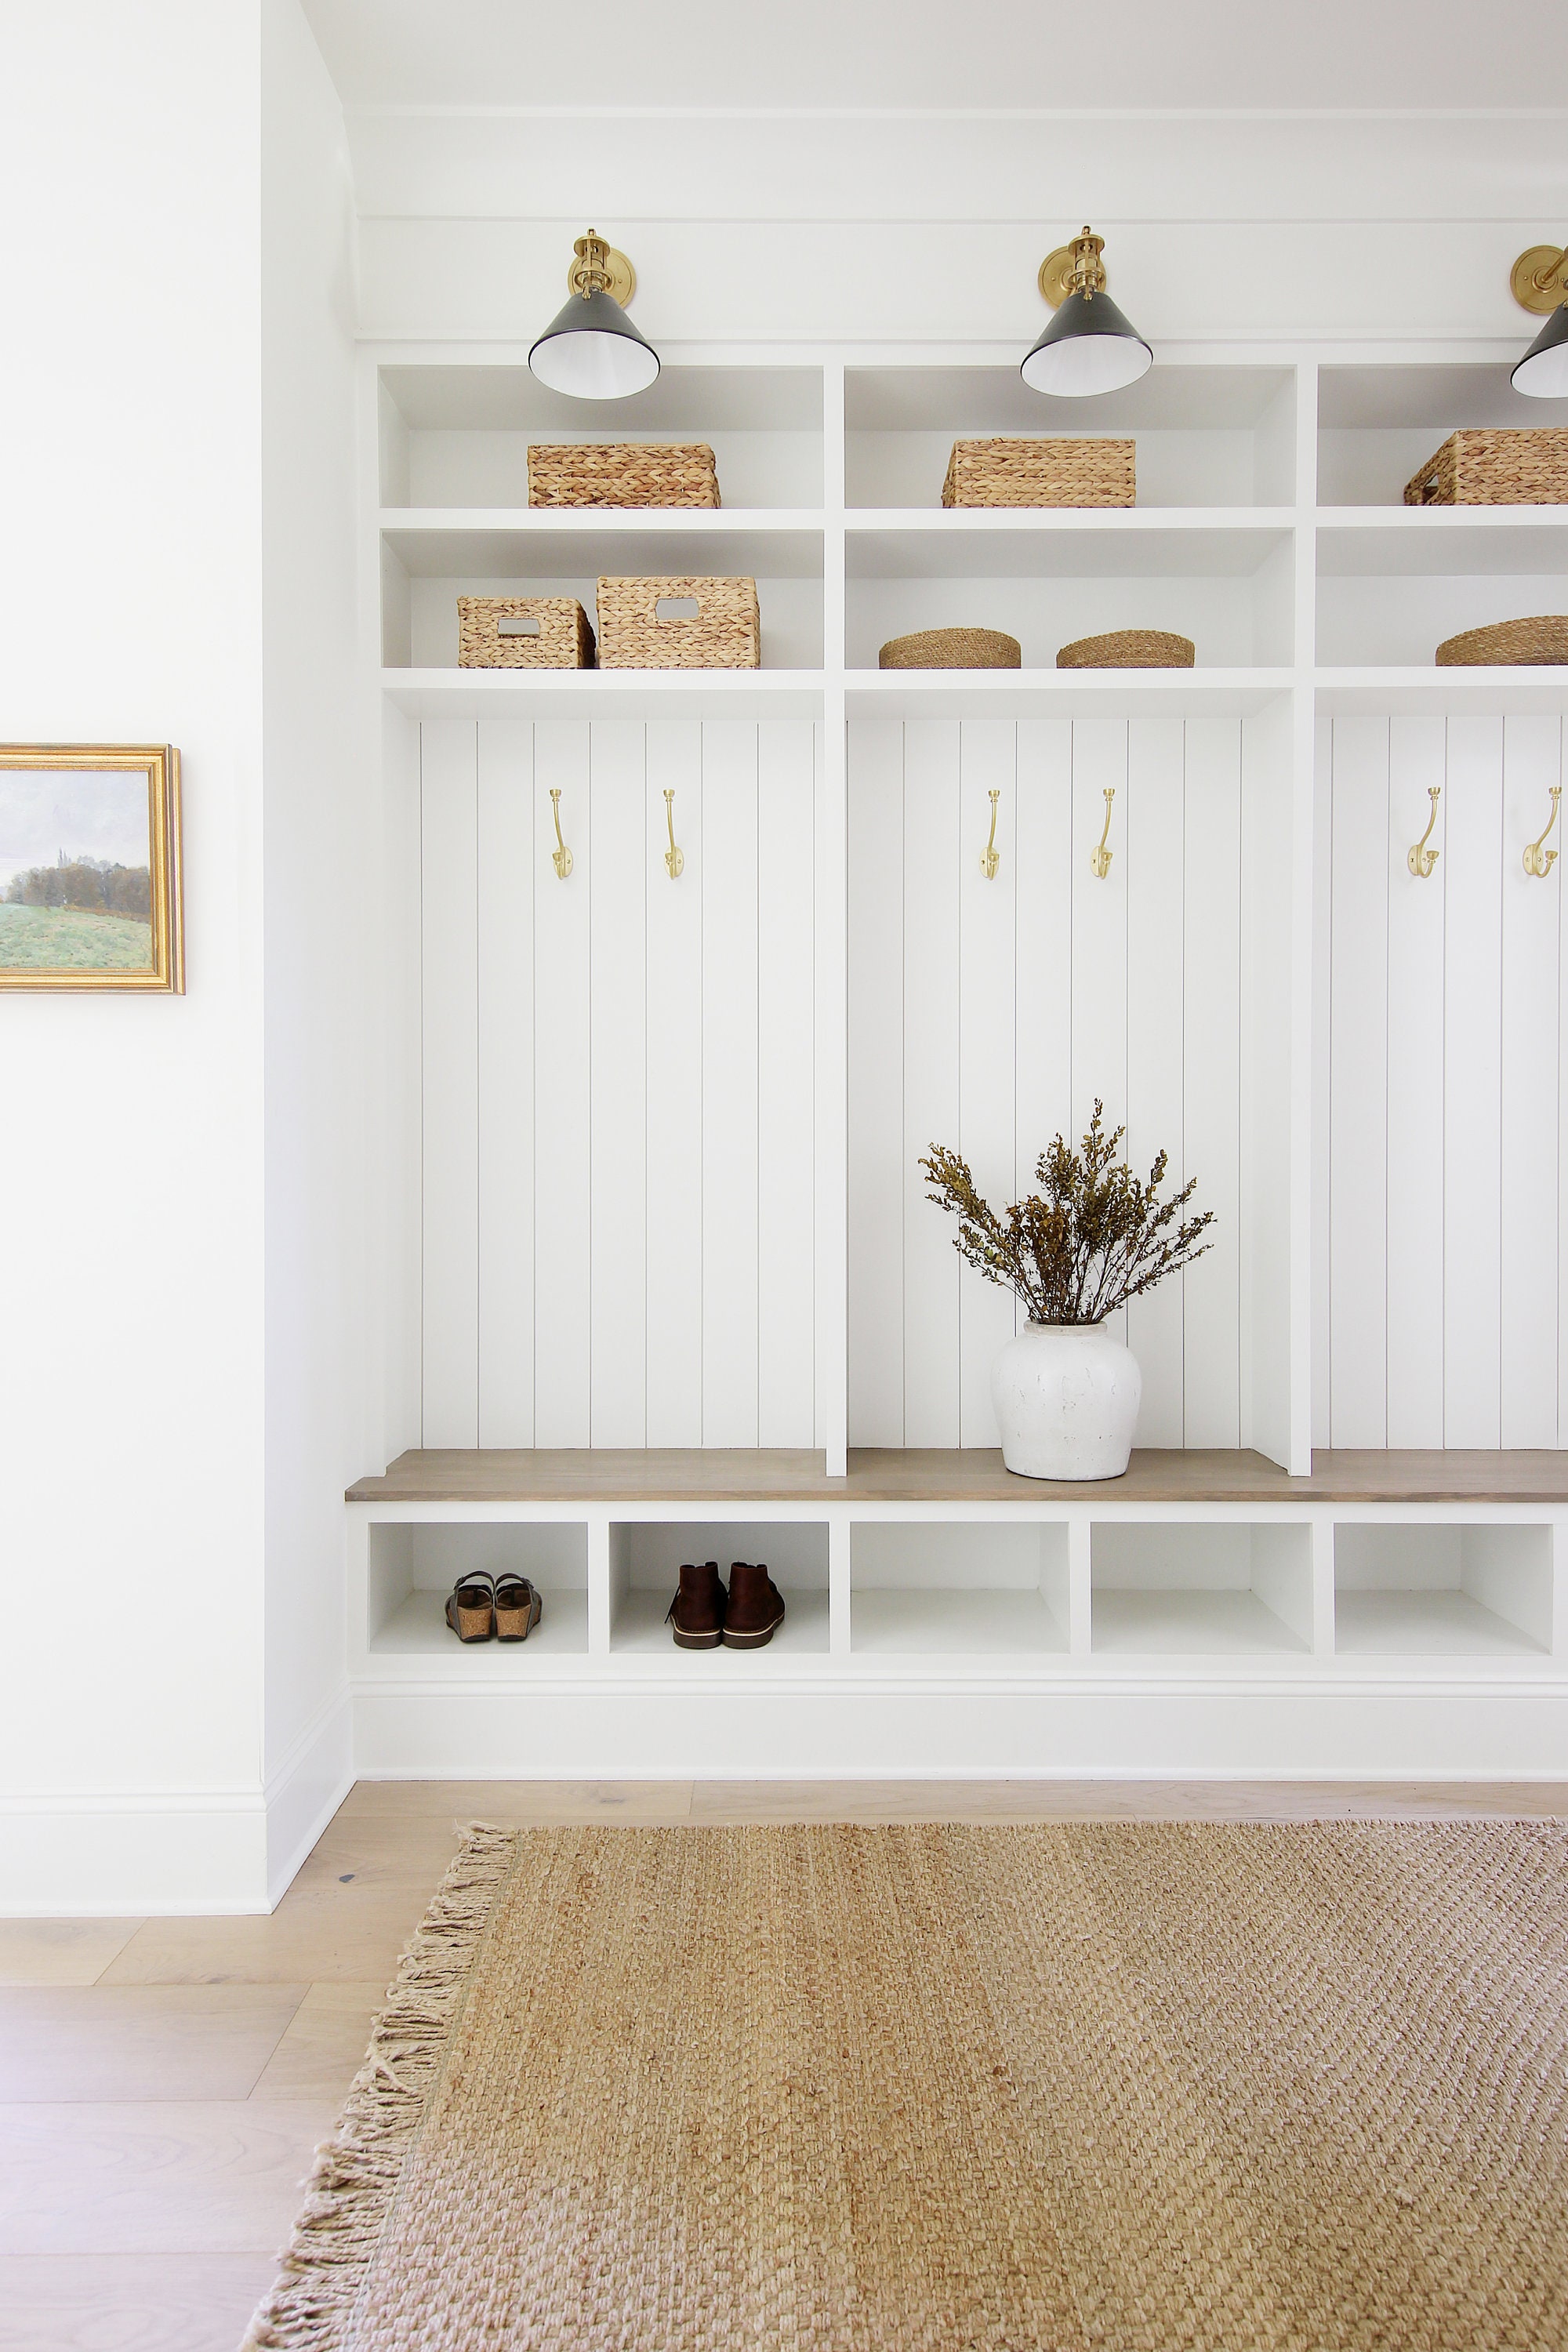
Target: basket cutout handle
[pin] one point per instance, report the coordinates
(675, 608)
(518, 625)
(1429, 489)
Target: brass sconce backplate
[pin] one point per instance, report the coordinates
(1539, 279)
(596, 264)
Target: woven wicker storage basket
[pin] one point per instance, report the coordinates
(952, 649)
(1040, 474)
(723, 633)
(1130, 649)
(554, 632)
(621, 473)
(1522, 468)
(1542, 638)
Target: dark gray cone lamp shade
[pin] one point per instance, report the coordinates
(1543, 371)
(1090, 346)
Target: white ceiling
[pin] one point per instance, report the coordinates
(928, 54)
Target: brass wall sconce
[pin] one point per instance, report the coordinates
(1419, 857)
(1539, 860)
(1090, 346)
(1539, 281)
(591, 348)
(1100, 859)
(560, 856)
(991, 857)
(673, 859)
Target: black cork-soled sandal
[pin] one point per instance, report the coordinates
(471, 1608)
(518, 1608)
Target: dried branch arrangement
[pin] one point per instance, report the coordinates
(1092, 1238)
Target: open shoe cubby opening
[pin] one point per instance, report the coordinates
(1441, 1591)
(964, 1588)
(646, 1556)
(1219, 1586)
(414, 1566)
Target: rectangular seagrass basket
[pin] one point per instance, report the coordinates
(1526, 466)
(679, 624)
(621, 473)
(1040, 474)
(523, 632)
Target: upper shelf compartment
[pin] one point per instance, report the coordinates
(1207, 436)
(457, 436)
(1377, 424)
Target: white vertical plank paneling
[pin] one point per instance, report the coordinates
(986, 1094)
(729, 951)
(674, 1108)
(1099, 932)
(562, 1090)
(1211, 996)
(618, 897)
(1359, 1092)
(1472, 1086)
(1322, 932)
(505, 891)
(1155, 956)
(1414, 1285)
(1043, 1019)
(932, 852)
(875, 1106)
(1532, 767)
(786, 1013)
(450, 1023)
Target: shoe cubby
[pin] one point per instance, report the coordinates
(958, 1589)
(1432, 1590)
(1377, 424)
(646, 1556)
(1219, 1587)
(1207, 436)
(413, 1566)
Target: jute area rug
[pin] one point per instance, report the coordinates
(957, 2090)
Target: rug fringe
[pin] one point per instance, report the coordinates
(351, 2187)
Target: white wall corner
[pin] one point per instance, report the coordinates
(304, 1790)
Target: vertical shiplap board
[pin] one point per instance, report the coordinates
(561, 1112)
(1211, 999)
(1358, 1180)
(1415, 925)
(1532, 765)
(674, 1221)
(986, 1093)
(786, 1017)
(875, 1106)
(1155, 955)
(617, 893)
(1322, 932)
(450, 1024)
(931, 853)
(1099, 1015)
(729, 954)
(505, 868)
(1043, 1020)
(1472, 1084)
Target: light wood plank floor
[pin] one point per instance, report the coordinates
(163, 2081)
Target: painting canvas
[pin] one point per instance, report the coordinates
(89, 867)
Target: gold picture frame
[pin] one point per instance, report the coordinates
(91, 867)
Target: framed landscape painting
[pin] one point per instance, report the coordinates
(90, 867)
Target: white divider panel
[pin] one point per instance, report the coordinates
(449, 1018)
(617, 1085)
(1447, 1101)
(786, 1101)
(562, 1239)
(506, 884)
(992, 1014)
(730, 1162)
(674, 1033)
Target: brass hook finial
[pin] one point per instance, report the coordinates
(1419, 858)
(561, 856)
(991, 857)
(1100, 859)
(1539, 860)
(673, 859)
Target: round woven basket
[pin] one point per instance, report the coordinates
(1130, 649)
(1542, 638)
(952, 649)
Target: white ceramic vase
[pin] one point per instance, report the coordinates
(1067, 1398)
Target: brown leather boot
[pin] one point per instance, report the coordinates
(696, 1615)
(755, 1609)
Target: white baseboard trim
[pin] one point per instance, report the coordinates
(137, 1853)
(304, 1789)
